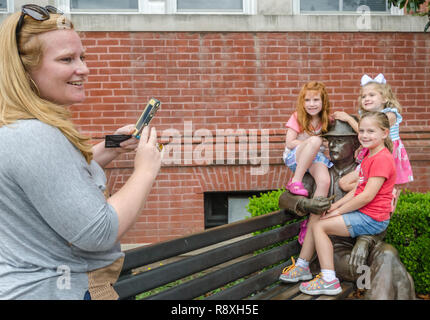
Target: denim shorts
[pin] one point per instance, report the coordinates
(290, 159)
(359, 224)
(87, 295)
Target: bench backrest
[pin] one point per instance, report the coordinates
(247, 265)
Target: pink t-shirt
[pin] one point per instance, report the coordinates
(293, 123)
(379, 165)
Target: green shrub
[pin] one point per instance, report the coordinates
(265, 203)
(409, 233)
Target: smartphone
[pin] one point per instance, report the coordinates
(146, 116)
(114, 140)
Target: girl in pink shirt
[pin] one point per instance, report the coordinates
(364, 210)
(304, 147)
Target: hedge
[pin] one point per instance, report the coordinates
(408, 231)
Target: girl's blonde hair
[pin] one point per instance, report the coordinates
(19, 96)
(303, 118)
(382, 122)
(386, 93)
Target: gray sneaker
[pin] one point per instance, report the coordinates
(318, 286)
(295, 273)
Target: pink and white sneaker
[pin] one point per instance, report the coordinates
(318, 286)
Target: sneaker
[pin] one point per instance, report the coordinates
(297, 188)
(295, 273)
(318, 286)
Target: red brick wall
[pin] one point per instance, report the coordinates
(239, 81)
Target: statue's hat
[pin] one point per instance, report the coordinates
(340, 128)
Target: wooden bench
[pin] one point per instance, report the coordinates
(232, 259)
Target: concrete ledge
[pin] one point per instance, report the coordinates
(246, 23)
(129, 22)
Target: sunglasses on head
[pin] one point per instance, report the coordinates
(36, 12)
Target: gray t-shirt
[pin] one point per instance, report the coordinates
(55, 223)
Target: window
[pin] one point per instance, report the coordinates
(212, 6)
(237, 208)
(112, 6)
(3, 5)
(158, 6)
(342, 5)
(216, 209)
(226, 207)
(104, 5)
(209, 5)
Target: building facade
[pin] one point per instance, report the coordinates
(228, 79)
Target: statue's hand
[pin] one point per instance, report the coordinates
(360, 252)
(317, 205)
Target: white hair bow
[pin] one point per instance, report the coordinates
(378, 79)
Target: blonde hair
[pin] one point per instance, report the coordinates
(303, 118)
(19, 96)
(386, 92)
(383, 123)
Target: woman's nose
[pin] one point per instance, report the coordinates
(82, 68)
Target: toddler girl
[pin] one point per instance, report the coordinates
(376, 95)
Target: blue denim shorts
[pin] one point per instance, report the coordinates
(87, 295)
(290, 159)
(359, 224)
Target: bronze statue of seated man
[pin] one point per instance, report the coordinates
(385, 276)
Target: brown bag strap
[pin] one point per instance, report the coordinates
(100, 281)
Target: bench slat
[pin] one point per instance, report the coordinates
(290, 291)
(214, 280)
(138, 257)
(145, 281)
(268, 293)
(302, 296)
(250, 285)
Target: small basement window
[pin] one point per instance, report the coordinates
(226, 207)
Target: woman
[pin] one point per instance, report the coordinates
(59, 236)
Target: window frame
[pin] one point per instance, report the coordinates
(9, 7)
(64, 6)
(249, 8)
(158, 7)
(391, 11)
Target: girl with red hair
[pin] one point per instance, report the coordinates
(304, 147)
